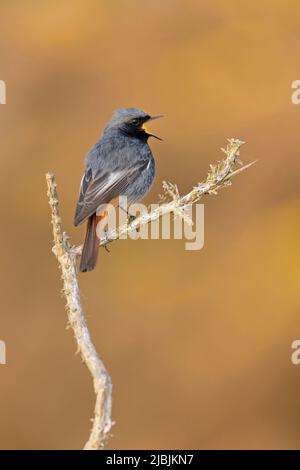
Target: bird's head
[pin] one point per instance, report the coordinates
(132, 122)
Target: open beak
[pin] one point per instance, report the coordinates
(152, 118)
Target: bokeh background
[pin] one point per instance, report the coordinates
(198, 344)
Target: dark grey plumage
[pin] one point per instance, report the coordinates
(120, 163)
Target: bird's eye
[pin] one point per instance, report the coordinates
(134, 121)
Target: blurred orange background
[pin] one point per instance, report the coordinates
(198, 344)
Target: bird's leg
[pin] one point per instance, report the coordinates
(101, 222)
(130, 216)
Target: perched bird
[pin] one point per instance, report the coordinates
(120, 163)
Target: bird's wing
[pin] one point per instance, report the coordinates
(102, 187)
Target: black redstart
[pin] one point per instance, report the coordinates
(120, 163)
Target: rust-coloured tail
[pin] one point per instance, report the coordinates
(91, 246)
